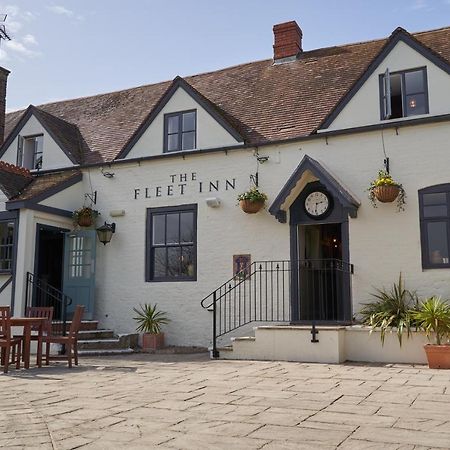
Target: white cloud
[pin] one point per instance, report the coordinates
(3, 55)
(61, 10)
(20, 49)
(421, 5)
(29, 39)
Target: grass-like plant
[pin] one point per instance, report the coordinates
(392, 309)
(149, 319)
(433, 317)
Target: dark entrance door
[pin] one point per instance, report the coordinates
(320, 283)
(320, 278)
(48, 268)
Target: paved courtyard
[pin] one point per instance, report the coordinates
(188, 402)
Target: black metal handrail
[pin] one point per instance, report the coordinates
(39, 293)
(263, 292)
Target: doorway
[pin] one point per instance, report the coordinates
(48, 267)
(321, 273)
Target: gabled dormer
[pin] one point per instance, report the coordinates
(183, 120)
(405, 81)
(41, 141)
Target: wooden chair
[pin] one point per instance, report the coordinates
(70, 341)
(8, 344)
(40, 311)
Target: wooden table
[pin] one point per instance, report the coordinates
(28, 323)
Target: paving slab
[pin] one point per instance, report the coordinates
(147, 401)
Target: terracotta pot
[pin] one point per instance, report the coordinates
(250, 207)
(386, 194)
(85, 221)
(152, 341)
(438, 356)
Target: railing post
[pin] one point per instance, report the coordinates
(64, 314)
(215, 352)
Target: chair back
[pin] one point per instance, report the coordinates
(76, 320)
(5, 325)
(44, 312)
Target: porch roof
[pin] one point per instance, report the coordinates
(283, 201)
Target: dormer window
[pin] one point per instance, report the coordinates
(29, 151)
(180, 130)
(404, 94)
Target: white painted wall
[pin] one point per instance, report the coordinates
(53, 157)
(364, 107)
(383, 242)
(5, 295)
(69, 199)
(209, 132)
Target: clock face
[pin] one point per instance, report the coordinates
(317, 204)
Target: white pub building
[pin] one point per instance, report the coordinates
(165, 163)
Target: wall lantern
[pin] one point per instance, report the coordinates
(105, 232)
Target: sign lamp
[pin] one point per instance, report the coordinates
(105, 232)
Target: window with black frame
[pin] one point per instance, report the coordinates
(6, 245)
(180, 131)
(404, 93)
(172, 243)
(434, 203)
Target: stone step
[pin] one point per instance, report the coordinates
(86, 325)
(105, 352)
(99, 344)
(86, 335)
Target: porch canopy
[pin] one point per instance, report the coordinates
(307, 171)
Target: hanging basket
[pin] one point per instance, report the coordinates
(85, 221)
(250, 207)
(386, 194)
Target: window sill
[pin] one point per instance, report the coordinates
(171, 280)
(405, 119)
(5, 272)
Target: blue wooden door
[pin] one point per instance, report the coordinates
(79, 270)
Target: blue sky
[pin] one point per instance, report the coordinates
(66, 49)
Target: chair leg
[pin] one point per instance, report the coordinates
(7, 351)
(47, 353)
(18, 355)
(69, 353)
(75, 352)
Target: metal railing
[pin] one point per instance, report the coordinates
(302, 291)
(39, 293)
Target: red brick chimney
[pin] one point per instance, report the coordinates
(287, 41)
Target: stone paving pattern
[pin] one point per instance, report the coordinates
(189, 402)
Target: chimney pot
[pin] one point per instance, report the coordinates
(287, 40)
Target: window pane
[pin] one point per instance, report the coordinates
(172, 142)
(188, 141)
(187, 261)
(189, 121)
(173, 224)
(159, 262)
(435, 211)
(416, 104)
(414, 82)
(437, 242)
(159, 229)
(187, 227)
(439, 198)
(173, 124)
(173, 261)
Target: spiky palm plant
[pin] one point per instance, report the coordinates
(149, 319)
(391, 309)
(433, 316)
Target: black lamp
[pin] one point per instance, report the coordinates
(105, 232)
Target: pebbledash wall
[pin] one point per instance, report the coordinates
(383, 242)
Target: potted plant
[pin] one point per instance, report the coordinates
(386, 190)
(149, 321)
(252, 201)
(433, 317)
(85, 216)
(391, 310)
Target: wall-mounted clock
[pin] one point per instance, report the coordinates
(318, 204)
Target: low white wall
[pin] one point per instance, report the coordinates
(336, 345)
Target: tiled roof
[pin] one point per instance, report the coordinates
(13, 179)
(265, 102)
(44, 182)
